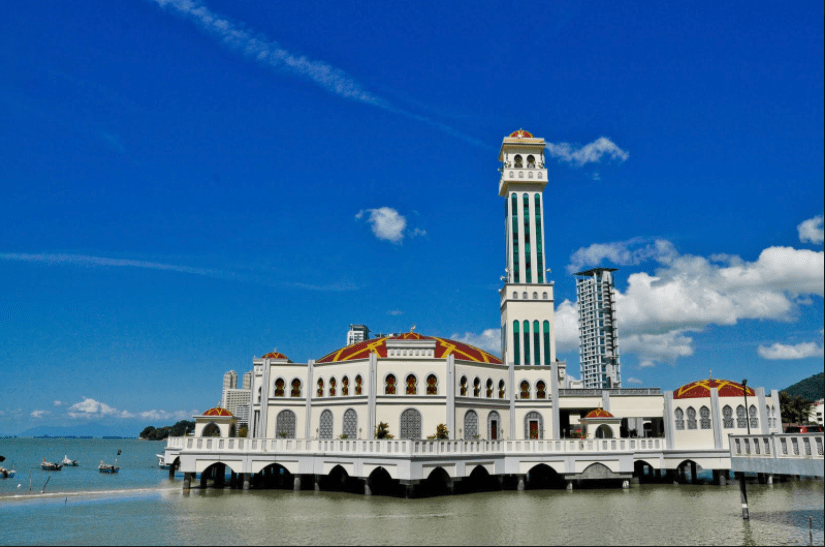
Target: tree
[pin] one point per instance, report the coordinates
(382, 431)
(441, 432)
(794, 409)
(243, 431)
(147, 432)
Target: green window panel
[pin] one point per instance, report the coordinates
(536, 344)
(547, 342)
(527, 342)
(516, 345)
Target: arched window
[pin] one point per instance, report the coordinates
(320, 391)
(704, 417)
(533, 426)
(325, 430)
(476, 387)
(536, 344)
(296, 388)
(547, 342)
(691, 414)
(741, 419)
(389, 385)
(432, 385)
(527, 342)
(344, 386)
(412, 385)
(410, 424)
(518, 161)
(493, 425)
(358, 384)
(524, 388)
(332, 385)
(535, 295)
(350, 426)
(544, 296)
(524, 295)
(470, 425)
(285, 424)
(489, 388)
(516, 343)
(259, 395)
(754, 415)
(541, 391)
(727, 417)
(501, 390)
(531, 161)
(463, 386)
(539, 249)
(279, 387)
(680, 418)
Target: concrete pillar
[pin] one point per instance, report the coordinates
(450, 387)
(296, 484)
(245, 477)
(172, 471)
(625, 484)
(760, 478)
(555, 421)
(769, 478)
(520, 486)
(317, 483)
(693, 472)
(367, 489)
(743, 494)
(569, 485)
(409, 491)
(187, 481)
(308, 403)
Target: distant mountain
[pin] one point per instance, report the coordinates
(812, 388)
(90, 429)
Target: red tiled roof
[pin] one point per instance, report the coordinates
(443, 348)
(521, 134)
(275, 355)
(598, 413)
(217, 411)
(701, 388)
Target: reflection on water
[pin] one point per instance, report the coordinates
(646, 515)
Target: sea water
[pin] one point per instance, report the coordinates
(141, 505)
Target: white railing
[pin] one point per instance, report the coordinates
(412, 448)
(799, 446)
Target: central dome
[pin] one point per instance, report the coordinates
(521, 134)
(701, 388)
(443, 348)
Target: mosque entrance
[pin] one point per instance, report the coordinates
(494, 429)
(534, 429)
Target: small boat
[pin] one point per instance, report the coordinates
(68, 463)
(6, 473)
(49, 466)
(106, 468)
(162, 461)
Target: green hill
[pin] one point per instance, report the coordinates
(811, 388)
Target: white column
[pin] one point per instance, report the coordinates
(264, 400)
(716, 417)
(372, 386)
(512, 390)
(668, 421)
(554, 396)
(308, 412)
(450, 386)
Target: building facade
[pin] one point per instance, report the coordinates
(598, 333)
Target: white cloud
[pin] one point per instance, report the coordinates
(567, 327)
(657, 311)
(39, 413)
(622, 253)
(84, 260)
(811, 230)
(164, 415)
(635, 381)
(589, 153)
(388, 224)
(89, 408)
(395, 312)
(489, 340)
(796, 351)
(57, 403)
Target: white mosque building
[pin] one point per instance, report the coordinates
(412, 383)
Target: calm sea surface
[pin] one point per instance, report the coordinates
(142, 506)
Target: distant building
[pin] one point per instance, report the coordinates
(357, 333)
(815, 415)
(247, 380)
(236, 401)
(230, 380)
(598, 334)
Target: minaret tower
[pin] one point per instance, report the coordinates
(527, 322)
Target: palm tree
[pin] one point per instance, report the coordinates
(794, 410)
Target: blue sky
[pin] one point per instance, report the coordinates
(186, 185)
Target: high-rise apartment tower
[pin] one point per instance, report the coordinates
(230, 380)
(357, 333)
(598, 334)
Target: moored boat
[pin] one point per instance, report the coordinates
(6, 473)
(68, 463)
(49, 466)
(106, 468)
(162, 461)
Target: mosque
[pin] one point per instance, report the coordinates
(413, 387)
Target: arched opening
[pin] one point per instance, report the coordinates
(344, 386)
(325, 426)
(233, 432)
(273, 476)
(533, 426)
(211, 430)
(412, 385)
(438, 482)
(489, 388)
(333, 387)
(432, 385)
(296, 388)
(279, 387)
(380, 482)
(604, 431)
(531, 161)
(350, 426)
(216, 475)
(358, 384)
(471, 425)
(389, 385)
(524, 390)
(338, 480)
(688, 471)
(479, 481)
(463, 390)
(741, 420)
(644, 471)
(541, 390)
(410, 424)
(285, 425)
(320, 391)
(476, 387)
(501, 390)
(493, 426)
(543, 476)
(518, 161)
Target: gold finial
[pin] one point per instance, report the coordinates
(710, 374)
(412, 328)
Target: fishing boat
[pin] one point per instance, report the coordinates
(6, 473)
(162, 461)
(49, 466)
(68, 463)
(106, 468)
